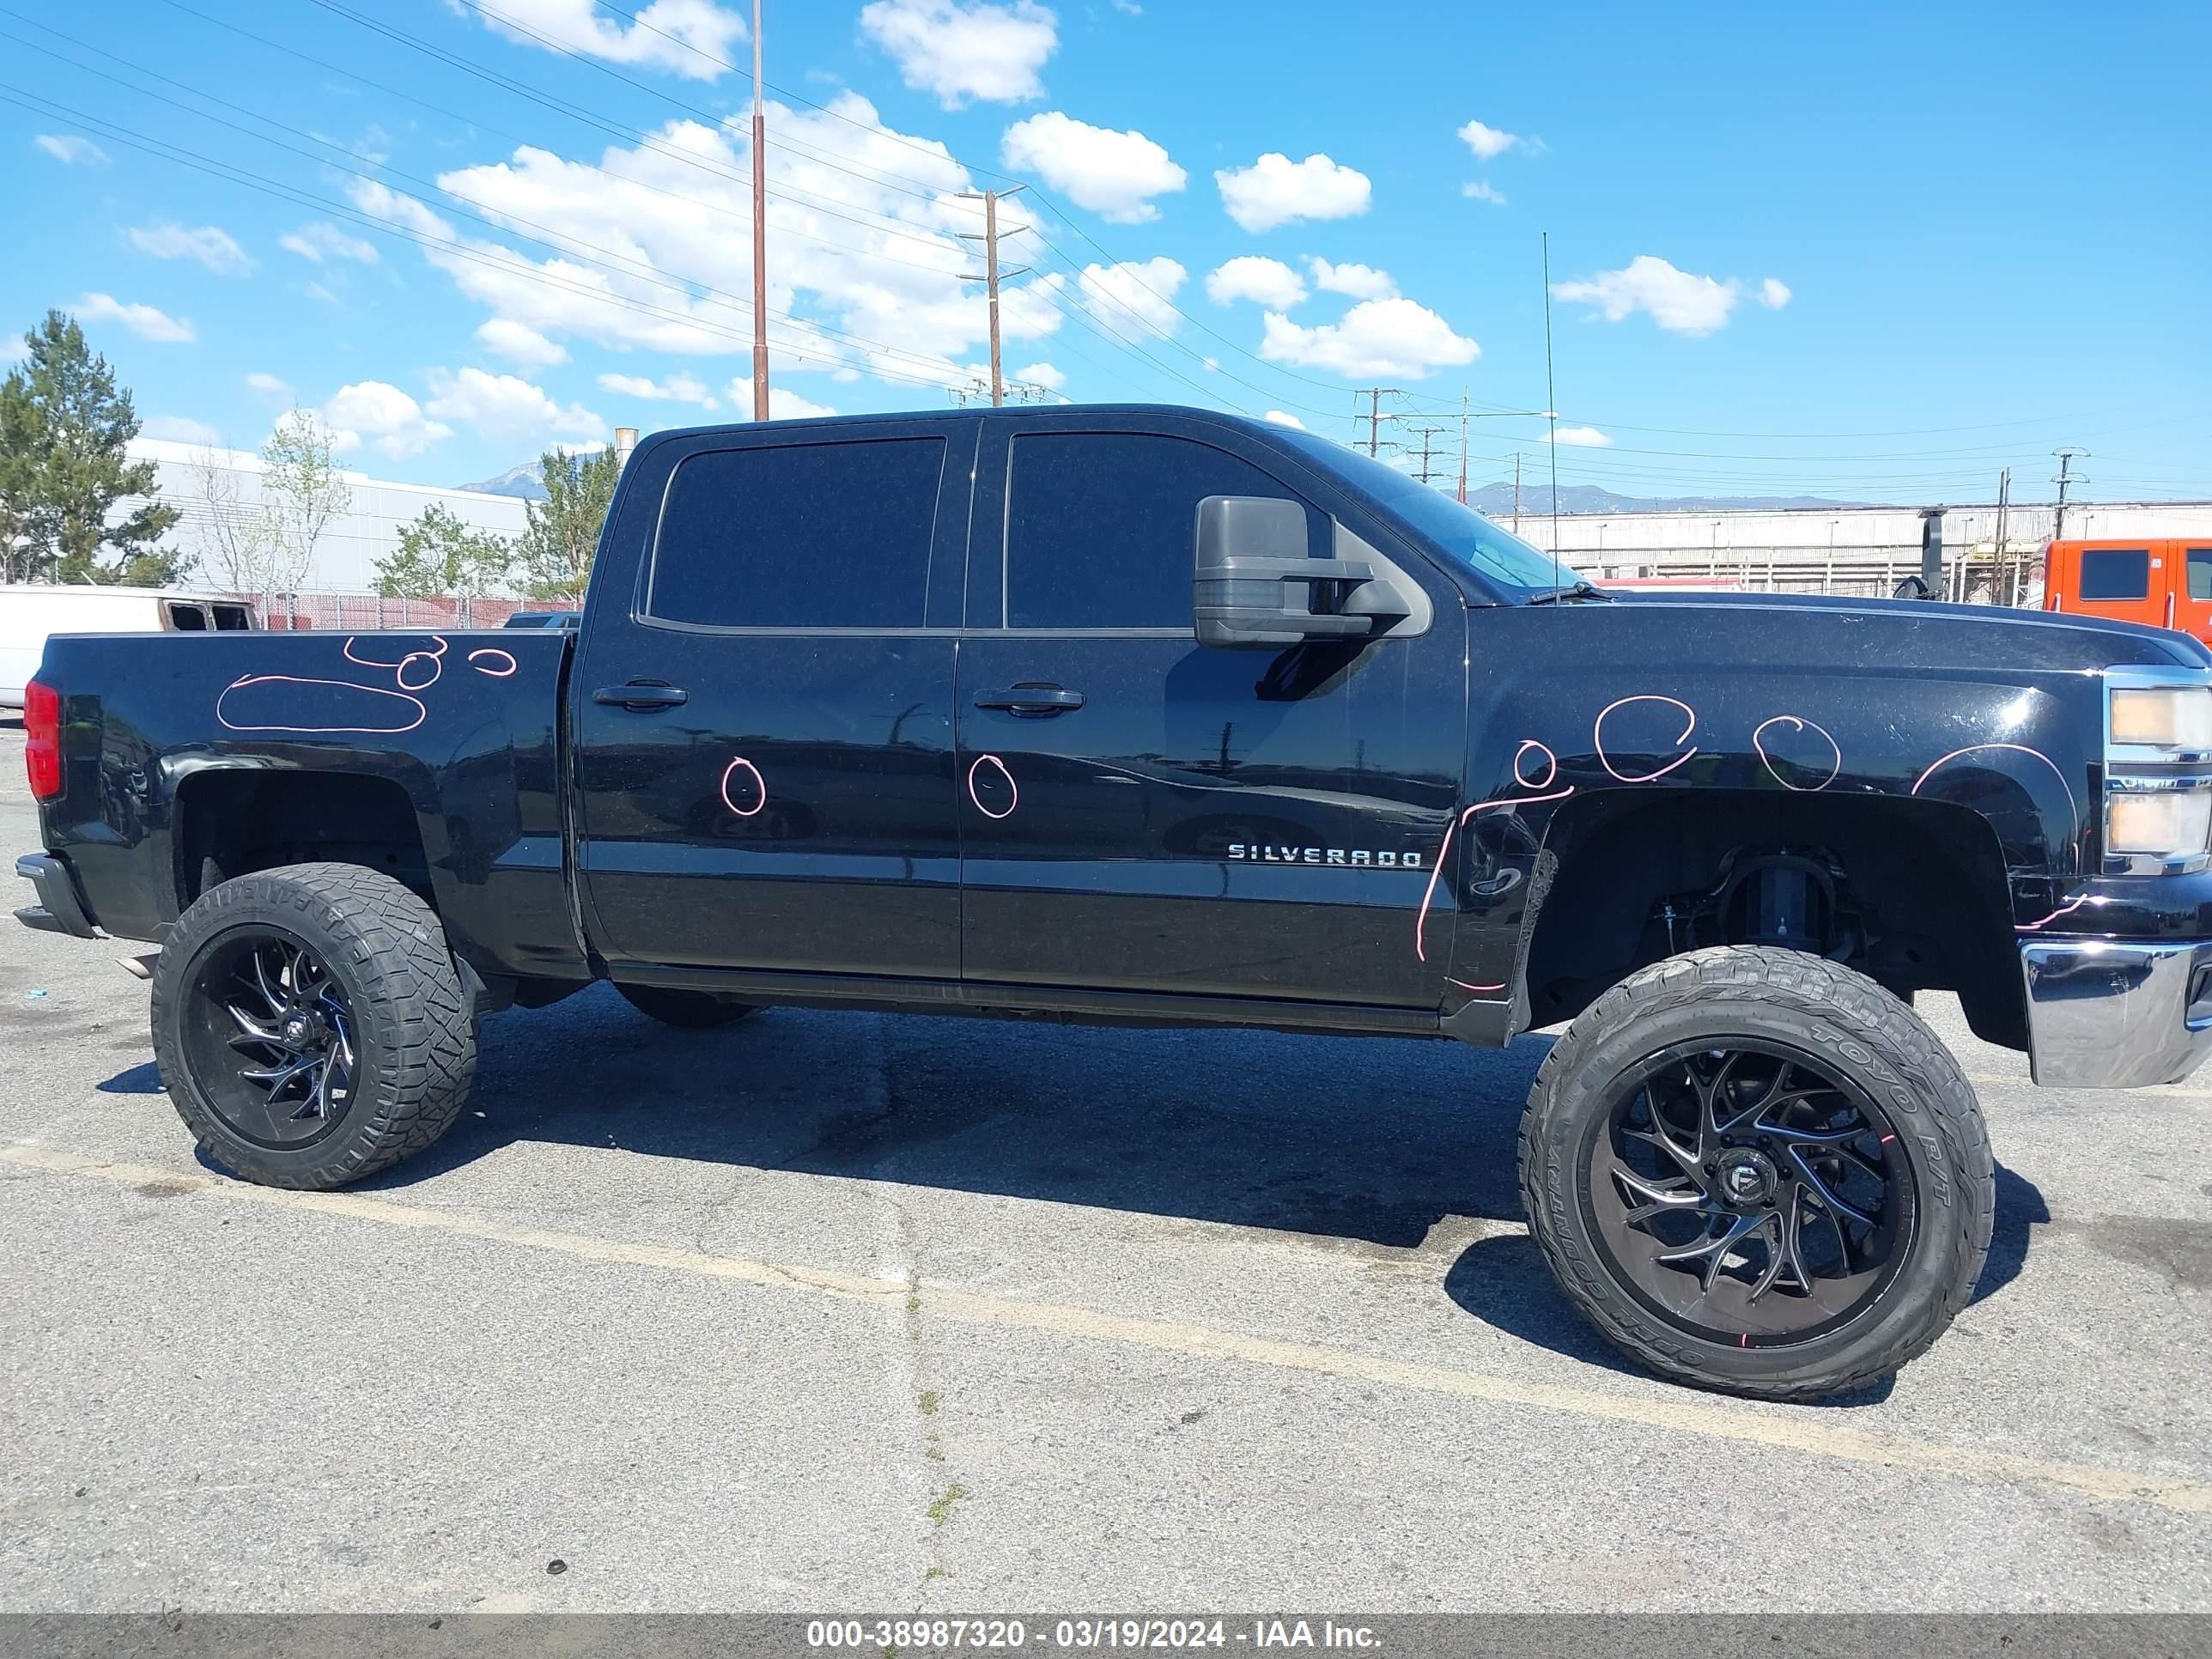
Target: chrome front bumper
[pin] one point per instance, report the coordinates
(2103, 1014)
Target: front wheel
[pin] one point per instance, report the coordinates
(311, 1025)
(1756, 1171)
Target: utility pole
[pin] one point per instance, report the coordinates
(1463, 446)
(1375, 394)
(2066, 477)
(1427, 435)
(989, 237)
(760, 232)
(2001, 570)
(1517, 492)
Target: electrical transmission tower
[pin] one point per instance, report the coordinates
(1428, 435)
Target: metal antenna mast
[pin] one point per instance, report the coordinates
(1552, 410)
(760, 232)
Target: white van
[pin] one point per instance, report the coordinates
(29, 612)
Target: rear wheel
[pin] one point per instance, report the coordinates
(696, 1009)
(311, 1024)
(1757, 1171)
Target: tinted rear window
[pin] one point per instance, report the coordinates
(2116, 573)
(1101, 526)
(830, 535)
(2200, 573)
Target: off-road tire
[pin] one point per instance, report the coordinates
(1856, 1028)
(696, 1010)
(413, 1021)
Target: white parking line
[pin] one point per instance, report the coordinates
(1807, 1431)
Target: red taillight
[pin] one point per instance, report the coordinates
(42, 732)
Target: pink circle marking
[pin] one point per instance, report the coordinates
(1003, 772)
(1801, 723)
(1597, 736)
(1551, 765)
(759, 783)
(437, 667)
(493, 651)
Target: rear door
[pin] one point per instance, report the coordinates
(2193, 596)
(1144, 813)
(763, 723)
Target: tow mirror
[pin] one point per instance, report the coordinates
(1252, 583)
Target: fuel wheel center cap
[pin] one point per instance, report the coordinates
(1745, 1178)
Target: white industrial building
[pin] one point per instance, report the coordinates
(347, 552)
(1989, 552)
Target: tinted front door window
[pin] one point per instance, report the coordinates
(1100, 526)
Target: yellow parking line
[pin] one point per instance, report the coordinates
(1809, 1432)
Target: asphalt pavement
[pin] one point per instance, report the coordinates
(827, 1312)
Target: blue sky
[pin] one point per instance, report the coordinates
(1877, 253)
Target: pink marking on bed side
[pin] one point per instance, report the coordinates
(494, 651)
(2018, 748)
(1003, 772)
(422, 708)
(443, 644)
(1552, 761)
(759, 783)
(1800, 723)
(437, 667)
(1886, 1140)
(1464, 986)
(1597, 736)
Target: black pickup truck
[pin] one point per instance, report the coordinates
(1161, 717)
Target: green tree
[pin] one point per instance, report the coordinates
(302, 491)
(439, 556)
(63, 427)
(555, 552)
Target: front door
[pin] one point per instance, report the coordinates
(765, 732)
(1144, 813)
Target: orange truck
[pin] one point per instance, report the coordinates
(2164, 581)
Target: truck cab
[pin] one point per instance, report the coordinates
(2160, 581)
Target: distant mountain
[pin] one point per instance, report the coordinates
(523, 483)
(1496, 501)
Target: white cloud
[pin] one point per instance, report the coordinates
(1114, 175)
(1489, 142)
(381, 414)
(1677, 300)
(1396, 337)
(957, 50)
(1140, 292)
(682, 234)
(1281, 419)
(319, 242)
(783, 403)
(507, 407)
(1479, 191)
(677, 389)
(1360, 282)
(71, 150)
(179, 429)
(519, 344)
(269, 387)
(1043, 375)
(1277, 191)
(1774, 294)
(1583, 437)
(212, 246)
(1255, 277)
(145, 321)
(684, 37)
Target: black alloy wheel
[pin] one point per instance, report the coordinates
(269, 1035)
(1748, 1195)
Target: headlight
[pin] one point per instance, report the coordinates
(2163, 717)
(2168, 824)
